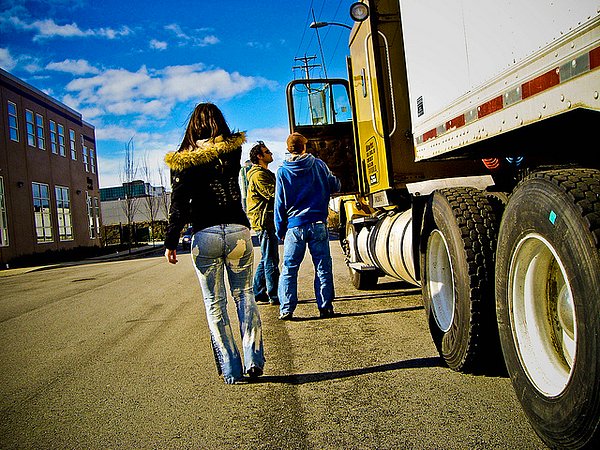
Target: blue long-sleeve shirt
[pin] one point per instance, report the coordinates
(302, 190)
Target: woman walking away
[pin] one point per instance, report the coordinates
(206, 193)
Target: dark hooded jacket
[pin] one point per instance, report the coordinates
(205, 188)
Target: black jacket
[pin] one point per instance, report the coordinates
(205, 185)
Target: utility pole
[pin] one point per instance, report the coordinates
(306, 66)
(305, 59)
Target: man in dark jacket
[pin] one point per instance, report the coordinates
(259, 207)
(303, 188)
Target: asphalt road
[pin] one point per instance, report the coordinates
(117, 355)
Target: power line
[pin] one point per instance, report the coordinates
(320, 46)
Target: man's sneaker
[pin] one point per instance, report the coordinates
(274, 301)
(255, 372)
(286, 316)
(326, 313)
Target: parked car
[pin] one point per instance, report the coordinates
(186, 240)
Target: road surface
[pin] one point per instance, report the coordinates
(117, 355)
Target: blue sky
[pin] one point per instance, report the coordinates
(135, 69)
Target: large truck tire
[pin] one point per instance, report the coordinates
(457, 268)
(548, 303)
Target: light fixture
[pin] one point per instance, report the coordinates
(359, 12)
(20, 184)
(326, 24)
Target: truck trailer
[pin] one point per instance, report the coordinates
(465, 140)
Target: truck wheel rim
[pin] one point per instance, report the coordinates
(542, 314)
(440, 281)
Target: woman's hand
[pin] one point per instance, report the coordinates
(171, 256)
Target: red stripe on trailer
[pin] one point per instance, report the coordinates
(490, 106)
(529, 88)
(430, 135)
(595, 58)
(457, 122)
(541, 83)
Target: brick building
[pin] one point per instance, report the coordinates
(49, 193)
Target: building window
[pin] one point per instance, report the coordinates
(63, 213)
(3, 217)
(97, 214)
(41, 212)
(90, 212)
(61, 140)
(72, 145)
(39, 126)
(13, 123)
(92, 160)
(30, 128)
(53, 137)
(86, 159)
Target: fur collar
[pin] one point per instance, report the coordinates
(206, 150)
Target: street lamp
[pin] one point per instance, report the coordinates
(326, 24)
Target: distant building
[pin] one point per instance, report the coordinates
(114, 212)
(134, 189)
(49, 196)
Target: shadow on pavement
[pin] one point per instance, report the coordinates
(417, 363)
(374, 295)
(357, 314)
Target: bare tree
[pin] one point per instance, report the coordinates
(151, 201)
(164, 199)
(130, 203)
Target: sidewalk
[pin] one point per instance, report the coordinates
(117, 256)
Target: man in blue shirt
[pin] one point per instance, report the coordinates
(303, 187)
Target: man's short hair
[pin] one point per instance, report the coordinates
(296, 143)
(256, 151)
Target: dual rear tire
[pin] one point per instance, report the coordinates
(548, 303)
(527, 276)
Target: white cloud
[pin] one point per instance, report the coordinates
(259, 45)
(7, 62)
(75, 67)
(48, 28)
(155, 93)
(207, 40)
(177, 30)
(32, 67)
(193, 38)
(145, 100)
(158, 45)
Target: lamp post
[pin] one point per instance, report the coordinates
(326, 24)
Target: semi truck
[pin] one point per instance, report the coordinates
(466, 140)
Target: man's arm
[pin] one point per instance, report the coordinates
(264, 185)
(280, 210)
(332, 181)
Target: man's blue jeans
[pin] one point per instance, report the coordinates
(266, 277)
(216, 250)
(316, 237)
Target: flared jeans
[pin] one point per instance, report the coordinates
(228, 249)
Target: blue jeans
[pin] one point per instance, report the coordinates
(316, 237)
(266, 277)
(229, 248)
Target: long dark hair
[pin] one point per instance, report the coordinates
(206, 121)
